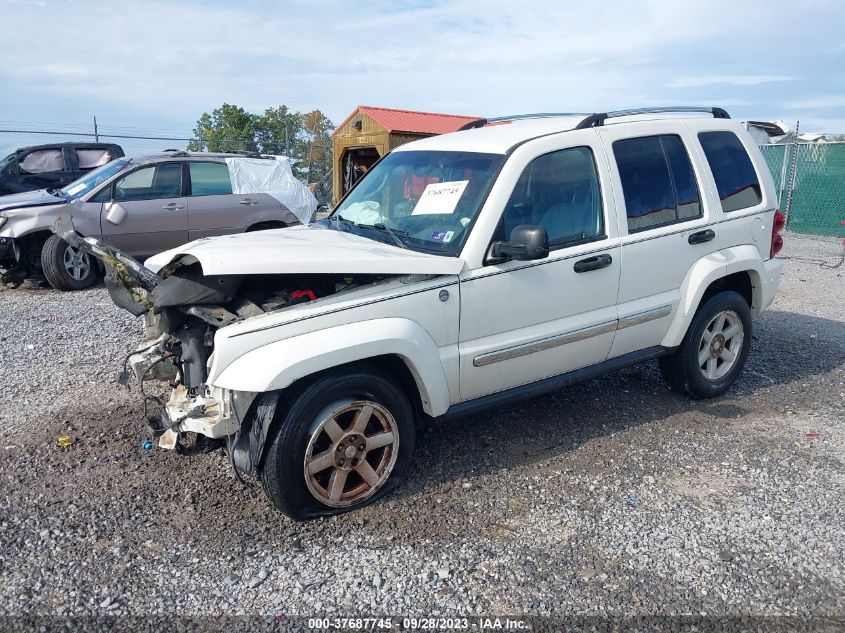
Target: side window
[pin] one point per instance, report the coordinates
(163, 180)
(89, 158)
(42, 161)
(733, 171)
(657, 181)
(103, 195)
(209, 179)
(561, 192)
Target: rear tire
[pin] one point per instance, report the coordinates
(714, 349)
(342, 442)
(65, 267)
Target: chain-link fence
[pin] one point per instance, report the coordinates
(810, 180)
(10, 140)
(138, 145)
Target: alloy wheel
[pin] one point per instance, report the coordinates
(720, 345)
(77, 263)
(351, 452)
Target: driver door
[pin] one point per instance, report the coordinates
(523, 321)
(156, 209)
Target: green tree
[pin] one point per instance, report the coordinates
(228, 128)
(316, 156)
(278, 130)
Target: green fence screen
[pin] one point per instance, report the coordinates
(817, 204)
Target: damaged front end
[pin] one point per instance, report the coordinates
(182, 309)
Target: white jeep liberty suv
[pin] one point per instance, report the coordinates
(511, 258)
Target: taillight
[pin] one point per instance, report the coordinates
(777, 238)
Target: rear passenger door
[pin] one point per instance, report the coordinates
(214, 210)
(665, 225)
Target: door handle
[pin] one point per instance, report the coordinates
(593, 263)
(172, 206)
(701, 237)
(248, 202)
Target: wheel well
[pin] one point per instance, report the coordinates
(738, 282)
(389, 364)
(261, 226)
(32, 244)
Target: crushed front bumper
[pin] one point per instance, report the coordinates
(210, 411)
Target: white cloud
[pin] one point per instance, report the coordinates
(829, 101)
(731, 80)
(155, 61)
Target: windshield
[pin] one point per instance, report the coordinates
(93, 178)
(422, 200)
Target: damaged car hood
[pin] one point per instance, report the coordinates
(303, 249)
(27, 199)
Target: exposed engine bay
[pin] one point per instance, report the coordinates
(182, 310)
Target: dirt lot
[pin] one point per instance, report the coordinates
(611, 498)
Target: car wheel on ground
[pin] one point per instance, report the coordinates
(343, 441)
(714, 350)
(66, 267)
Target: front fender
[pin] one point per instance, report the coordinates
(279, 364)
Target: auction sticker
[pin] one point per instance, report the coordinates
(440, 198)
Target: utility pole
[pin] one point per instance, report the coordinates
(96, 132)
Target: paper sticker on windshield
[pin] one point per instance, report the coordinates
(440, 198)
(76, 189)
(442, 236)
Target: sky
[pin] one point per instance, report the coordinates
(157, 66)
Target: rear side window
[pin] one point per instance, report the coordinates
(657, 181)
(89, 158)
(733, 171)
(210, 179)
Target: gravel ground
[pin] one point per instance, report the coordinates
(611, 498)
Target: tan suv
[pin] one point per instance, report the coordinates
(144, 206)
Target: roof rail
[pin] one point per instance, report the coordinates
(598, 119)
(517, 117)
(175, 152)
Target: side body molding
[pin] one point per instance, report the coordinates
(279, 364)
(703, 273)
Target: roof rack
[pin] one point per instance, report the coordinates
(249, 154)
(517, 117)
(598, 119)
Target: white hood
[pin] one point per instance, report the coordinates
(304, 249)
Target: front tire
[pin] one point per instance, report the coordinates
(343, 442)
(714, 350)
(65, 267)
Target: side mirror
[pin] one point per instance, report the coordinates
(115, 213)
(527, 242)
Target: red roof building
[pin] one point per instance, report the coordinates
(370, 132)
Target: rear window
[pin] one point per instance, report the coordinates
(733, 171)
(210, 179)
(657, 181)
